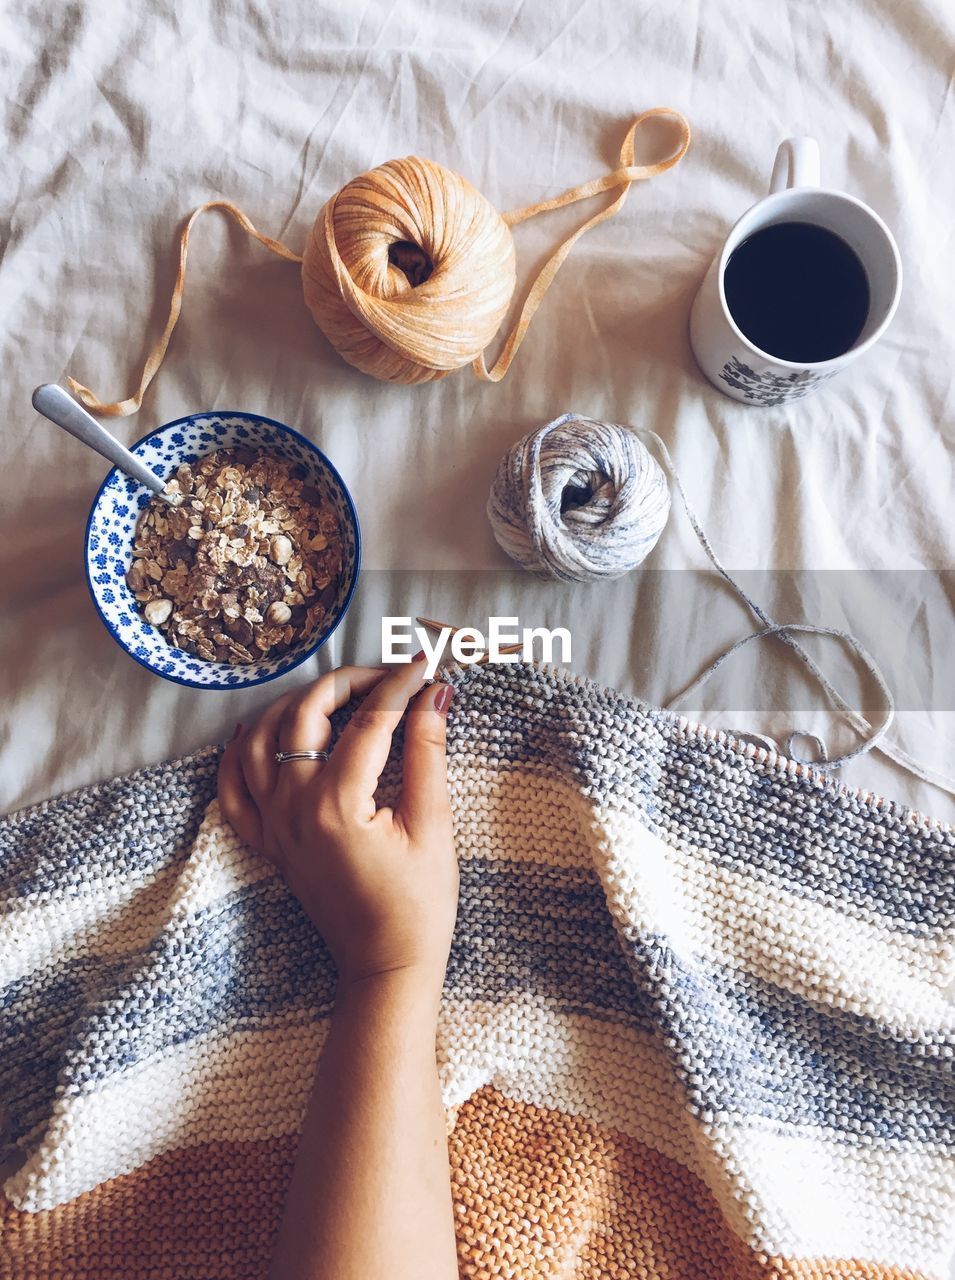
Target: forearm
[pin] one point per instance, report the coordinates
(370, 1195)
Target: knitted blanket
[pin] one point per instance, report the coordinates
(695, 1023)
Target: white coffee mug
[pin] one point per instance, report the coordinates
(734, 364)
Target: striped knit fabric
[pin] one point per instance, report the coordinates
(696, 1023)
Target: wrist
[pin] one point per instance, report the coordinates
(409, 990)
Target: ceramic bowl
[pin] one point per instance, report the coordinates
(112, 523)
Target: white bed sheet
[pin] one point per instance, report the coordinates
(120, 118)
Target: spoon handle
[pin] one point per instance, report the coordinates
(60, 407)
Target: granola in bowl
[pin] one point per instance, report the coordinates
(247, 566)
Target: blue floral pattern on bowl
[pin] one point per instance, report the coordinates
(111, 529)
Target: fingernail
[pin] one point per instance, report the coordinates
(419, 656)
(442, 699)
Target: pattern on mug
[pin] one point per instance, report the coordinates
(769, 388)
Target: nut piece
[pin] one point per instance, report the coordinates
(157, 611)
(280, 549)
(136, 580)
(278, 613)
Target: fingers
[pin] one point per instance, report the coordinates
(238, 807)
(258, 747)
(305, 724)
(299, 720)
(362, 750)
(249, 776)
(424, 793)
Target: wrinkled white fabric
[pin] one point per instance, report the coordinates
(119, 118)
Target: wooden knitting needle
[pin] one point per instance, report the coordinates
(432, 625)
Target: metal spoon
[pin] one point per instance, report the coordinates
(60, 407)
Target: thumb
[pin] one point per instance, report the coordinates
(424, 790)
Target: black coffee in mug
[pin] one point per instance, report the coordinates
(797, 291)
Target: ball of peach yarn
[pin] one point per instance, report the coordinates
(408, 271)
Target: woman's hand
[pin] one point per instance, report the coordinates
(370, 1195)
(381, 885)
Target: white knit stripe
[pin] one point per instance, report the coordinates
(893, 1204)
(719, 915)
(117, 916)
(723, 917)
(108, 918)
(874, 1202)
(494, 821)
(614, 1076)
(243, 1086)
(715, 914)
(619, 1079)
(247, 1085)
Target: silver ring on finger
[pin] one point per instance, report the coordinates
(282, 756)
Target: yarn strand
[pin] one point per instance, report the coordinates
(622, 177)
(122, 408)
(874, 737)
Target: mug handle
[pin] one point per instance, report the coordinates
(797, 165)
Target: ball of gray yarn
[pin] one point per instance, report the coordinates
(578, 500)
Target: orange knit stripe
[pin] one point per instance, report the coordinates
(541, 1193)
(198, 1213)
(537, 1193)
